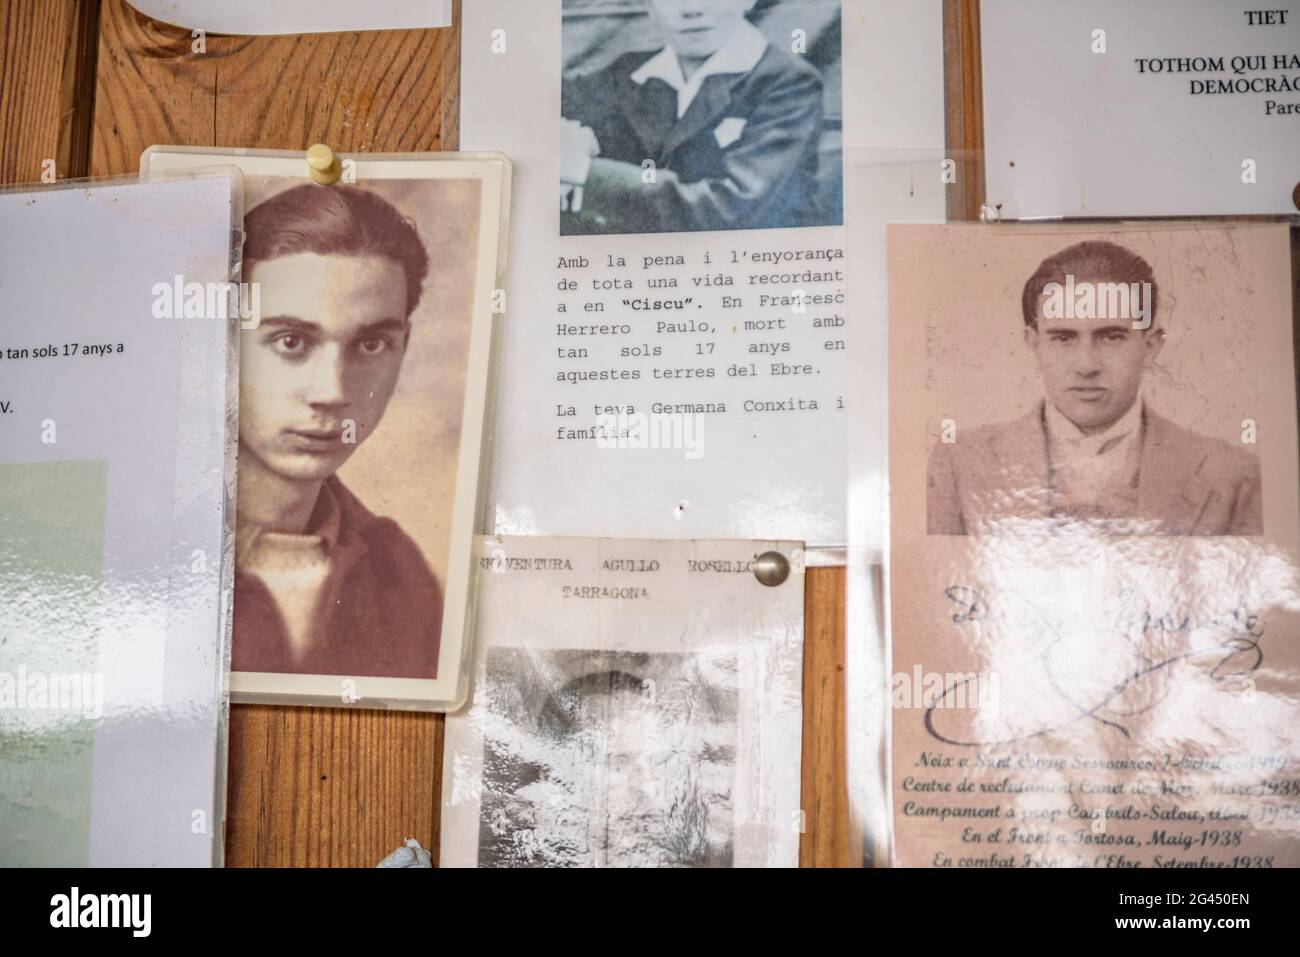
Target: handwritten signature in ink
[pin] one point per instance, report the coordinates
(1234, 652)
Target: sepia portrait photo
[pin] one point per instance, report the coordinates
(365, 368)
(359, 311)
(608, 759)
(1101, 381)
(1093, 525)
(683, 115)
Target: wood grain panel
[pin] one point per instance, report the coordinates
(320, 787)
(388, 91)
(47, 69)
(825, 791)
(964, 106)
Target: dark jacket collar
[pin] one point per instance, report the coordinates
(651, 107)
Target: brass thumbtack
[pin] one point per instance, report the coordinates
(322, 165)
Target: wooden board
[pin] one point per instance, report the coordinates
(393, 91)
(47, 70)
(964, 107)
(825, 840)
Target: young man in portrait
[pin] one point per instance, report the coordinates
(323, 586)
(1093, 449)
(718, 129)
(628, 778)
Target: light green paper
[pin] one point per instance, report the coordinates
(52, 518)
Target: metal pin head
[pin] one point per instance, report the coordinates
(771, 568)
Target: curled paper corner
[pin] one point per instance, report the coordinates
(411, 854)
(257, 18)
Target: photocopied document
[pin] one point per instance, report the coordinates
(677, 314)
(636, 704)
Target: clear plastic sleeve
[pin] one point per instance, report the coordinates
(1073, 571)
(118, 393)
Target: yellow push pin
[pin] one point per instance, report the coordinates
(322, 165)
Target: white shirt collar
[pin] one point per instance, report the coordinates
(1064, 435)
(739, 54)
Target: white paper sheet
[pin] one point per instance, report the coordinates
(1132, 131)
(258, 17)
(738, 473)
(636, 704)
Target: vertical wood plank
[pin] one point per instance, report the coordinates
(385, 91)
(47, 68)
(964, 106)
(321, 787)
(825, 841)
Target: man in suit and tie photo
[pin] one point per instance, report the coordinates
(715, 128)
(1093, 450)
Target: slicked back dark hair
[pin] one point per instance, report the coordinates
(1108, 261)
(336, 220)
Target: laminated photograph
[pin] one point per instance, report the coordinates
(682, 323)
(636, 704)
(742, 152)
(1096, 529)
(366, 360)
(117, 410)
